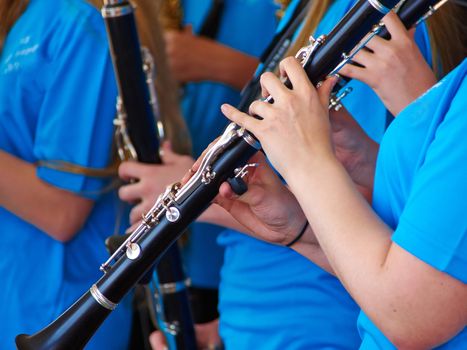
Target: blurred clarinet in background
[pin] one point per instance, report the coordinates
(138, 133)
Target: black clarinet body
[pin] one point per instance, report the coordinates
(180, 205)
(175, 318)
(131, 79)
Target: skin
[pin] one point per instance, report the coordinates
(209, 60)
(398, 57)
(384, 279)
(150, 180)
(207, 336)
(33, 200)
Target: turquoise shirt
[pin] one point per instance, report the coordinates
(420, 187)
(247, 26)
(57, 102)
(273, 298)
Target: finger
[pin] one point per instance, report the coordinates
(260, 108)
(325, 89)
(394, 25)
(194, 168)
(353, 72)
(133, 227)
(240, 118)
(129, 170)
(168, 154)
(130, 193)
(226, 192)
(364, 58)
(297, 76)
(378, 45)
(271, 85)
(137, 213)
(157, 341)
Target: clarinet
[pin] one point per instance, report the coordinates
(137, 108)
(180, 205)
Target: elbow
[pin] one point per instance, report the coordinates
(408, 341)
(68, 222)
(63, 229)
(414, 338)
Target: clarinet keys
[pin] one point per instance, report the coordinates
(237, 183)
(133, 251)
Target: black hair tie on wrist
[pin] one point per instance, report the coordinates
(302, 231)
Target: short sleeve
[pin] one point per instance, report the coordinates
(433, 224)
(75, 119)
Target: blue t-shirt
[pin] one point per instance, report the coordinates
(247, 26)
(420, 187)
(273, 298)
(57, 102)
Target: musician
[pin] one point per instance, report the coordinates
(265, 287)
(403, 260)
(245, 277)
(54, 212)
(211, 70)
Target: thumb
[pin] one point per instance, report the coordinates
(129, 170)
(157, 341)
(324, 91)
(166, 152)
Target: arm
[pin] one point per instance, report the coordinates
(385, 280)
(76, 105)
(354, 149)
(57, 212)
(193, 58)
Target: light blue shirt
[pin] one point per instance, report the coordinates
(57, 102)
(420, 187)
(273, 298)
(247, 26)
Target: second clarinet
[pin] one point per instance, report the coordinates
(139, 132)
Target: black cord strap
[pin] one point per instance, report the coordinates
(300, 234)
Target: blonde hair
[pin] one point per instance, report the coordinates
(448, 33)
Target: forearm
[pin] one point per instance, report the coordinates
(313, 252)
(228, 66)
(359, 248)
(57, 212)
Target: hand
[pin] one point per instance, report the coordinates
(186, 53)
(207, 337)
(151, 180)
(194, 58)
(395, 69)
(295, 128)
(354, 149)
(268, 209)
